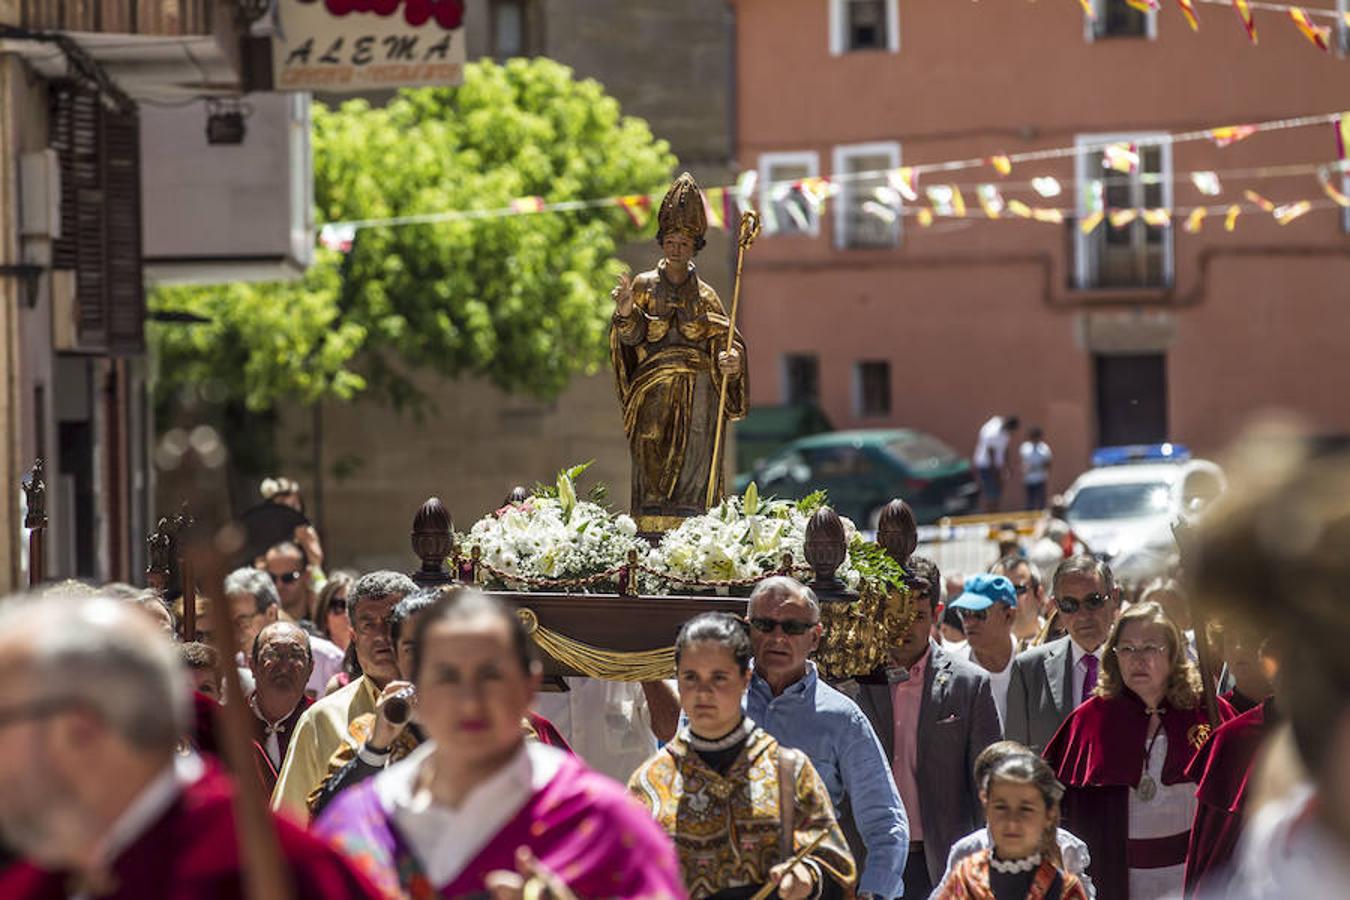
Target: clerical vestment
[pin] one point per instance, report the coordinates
(579, 824)
(665, 367)
(728, 828)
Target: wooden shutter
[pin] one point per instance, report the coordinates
(100, 240)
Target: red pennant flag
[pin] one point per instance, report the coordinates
(1343, 132)
(1260, 201)
(1318, 35)
(1244, 13)
(1188, 10)
(638, 207)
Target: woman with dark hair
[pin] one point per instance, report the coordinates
(477, 810)
(737, 804)
(1021, 805)
(1123, 756)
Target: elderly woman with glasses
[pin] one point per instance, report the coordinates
(1122, 757)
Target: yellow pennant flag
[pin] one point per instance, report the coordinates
(1343, 131)
(1119, 218)
(1230, 221)
(1019, 209)
(1260, 201)
(1188, 10)
(1089, 223)
(1291, 211)
(1231, 134)
(1318, 35)
(715, 204)
(638, 207)
(1051, 216)
(925, 217)
(1244, 14)
(1331, 191)
(1144, 6)
(958, 202)
(1088, 10)
(1002, 164)
(1196, 220)
(1158, 218)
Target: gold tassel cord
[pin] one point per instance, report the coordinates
(593, 662)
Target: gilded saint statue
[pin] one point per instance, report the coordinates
(668, 343)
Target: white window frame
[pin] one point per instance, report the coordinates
(858, 392)
(890, 149)
(1084, 144)
(1341, 33)
(839, 27)
(767, 161)
(1099, 7)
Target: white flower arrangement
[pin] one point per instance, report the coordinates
(553, 537)
(741, 538)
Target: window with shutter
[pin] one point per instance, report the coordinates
(100, 240)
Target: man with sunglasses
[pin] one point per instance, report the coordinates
(288, 567)
(1048, 682)
(788, 700)
(987, 607)
(1030, 597)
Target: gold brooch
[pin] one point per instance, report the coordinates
(1199, 734)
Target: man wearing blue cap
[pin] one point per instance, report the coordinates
(987, 608)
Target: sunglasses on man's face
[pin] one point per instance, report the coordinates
(1021, 588)
(1070, 605)
(285, 577)
(792, 627)
(979, 615)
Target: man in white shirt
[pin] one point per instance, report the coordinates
(1036, 459)
(991, 458)
(987, 607)
(1048, 682)
(613, 725)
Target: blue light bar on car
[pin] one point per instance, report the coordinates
(1140, 453)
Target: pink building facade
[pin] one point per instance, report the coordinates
(1139, 331)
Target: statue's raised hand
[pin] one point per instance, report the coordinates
(623, 294)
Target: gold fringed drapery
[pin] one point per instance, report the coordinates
(593, 662)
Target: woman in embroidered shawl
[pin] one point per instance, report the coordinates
(1123, 756)
(738, 806)
(477, 811)
(1021, 805)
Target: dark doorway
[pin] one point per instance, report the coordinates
(77, 471)
(1131, 399)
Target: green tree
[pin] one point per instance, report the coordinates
(521, 300)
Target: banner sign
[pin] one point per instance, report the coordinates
(352, 45)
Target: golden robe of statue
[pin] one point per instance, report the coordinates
(667, 343)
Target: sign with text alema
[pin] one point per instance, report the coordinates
(352, 45)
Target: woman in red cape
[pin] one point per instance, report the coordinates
(1122, 757)
(1222, 770)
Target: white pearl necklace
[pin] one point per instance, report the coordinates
(1014, 866)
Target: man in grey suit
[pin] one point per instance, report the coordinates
(1048, 682)
(934, 713)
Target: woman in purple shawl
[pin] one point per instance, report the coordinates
(476, 811)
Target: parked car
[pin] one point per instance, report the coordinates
(1123, 509)
(862, 471)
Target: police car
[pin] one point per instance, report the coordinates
(1124, 507)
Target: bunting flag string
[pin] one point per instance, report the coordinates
(946, 198)
(1303, 17)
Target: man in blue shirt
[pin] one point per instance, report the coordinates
(789, 701)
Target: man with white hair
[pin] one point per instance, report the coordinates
(788, 700)
(93, 794)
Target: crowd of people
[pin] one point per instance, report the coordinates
(1059, 743)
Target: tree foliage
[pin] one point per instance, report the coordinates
(521, 300)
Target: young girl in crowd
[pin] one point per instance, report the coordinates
(1021, 805)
